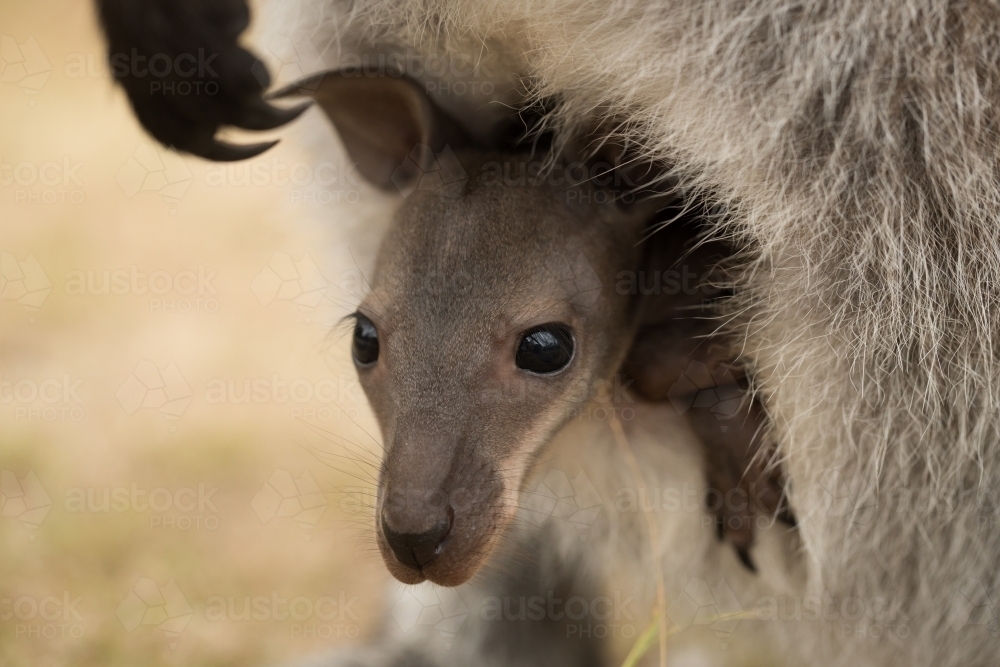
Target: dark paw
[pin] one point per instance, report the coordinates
(744, 555)
(186, 75)
(745, 493)
(735, 516)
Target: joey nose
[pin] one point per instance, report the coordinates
(417, 550)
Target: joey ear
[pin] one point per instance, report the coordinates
(382, 120)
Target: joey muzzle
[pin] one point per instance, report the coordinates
(423, 536)
(437, 511)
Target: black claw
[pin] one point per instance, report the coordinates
(220, 151)
(259, 115)
(176, 29)
(744, 557)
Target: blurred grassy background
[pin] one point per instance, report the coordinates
(177, 416)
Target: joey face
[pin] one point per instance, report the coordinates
(490, 319)
(492, 316)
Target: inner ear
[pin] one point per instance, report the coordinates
(383, 120)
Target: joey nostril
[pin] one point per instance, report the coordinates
(418, 550)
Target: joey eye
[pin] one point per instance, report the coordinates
(365, 347)
(545, 349)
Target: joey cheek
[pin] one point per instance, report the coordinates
(372, 382)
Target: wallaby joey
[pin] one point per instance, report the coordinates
(496, 303)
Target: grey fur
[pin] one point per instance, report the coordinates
(855, 147)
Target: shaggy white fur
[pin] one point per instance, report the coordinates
(856, 147)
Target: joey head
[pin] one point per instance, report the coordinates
(492, 313)
(482, 332)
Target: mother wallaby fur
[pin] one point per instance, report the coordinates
(856, 148)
